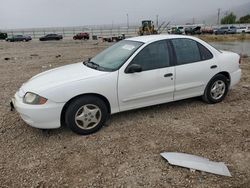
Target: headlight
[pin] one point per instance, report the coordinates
(32, 98)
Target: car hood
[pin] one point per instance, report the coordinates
(59, 76)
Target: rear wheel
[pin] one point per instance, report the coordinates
(86, 115)
(216, 89)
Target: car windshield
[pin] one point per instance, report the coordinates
(113, 57)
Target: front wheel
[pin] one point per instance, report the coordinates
(86, 115)
(216, 89)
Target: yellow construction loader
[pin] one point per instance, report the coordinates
(147, 28)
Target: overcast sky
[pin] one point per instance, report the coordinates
(53, 13)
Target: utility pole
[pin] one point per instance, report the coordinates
(127, 21)
(157, 20)
(218, 18)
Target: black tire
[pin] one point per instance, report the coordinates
(208, 96)
(78, 104)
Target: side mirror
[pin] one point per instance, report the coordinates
(133, 68)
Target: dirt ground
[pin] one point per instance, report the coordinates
(232, 37)
(126, 152)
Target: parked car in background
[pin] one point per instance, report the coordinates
(51, 37)
(226, 30)
(207, 30)
(133, 73)
(195, 30)
(248, 29)
(3, 35)
(114, 38)
(16, 38)
(215, 29)
(243, 29)
(81, 36)
(177, 30)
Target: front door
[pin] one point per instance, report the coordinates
(154, 84)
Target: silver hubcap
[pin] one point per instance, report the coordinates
(88, 116)
(218, 89)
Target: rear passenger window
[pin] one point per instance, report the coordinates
(186, 50)
(205, 53)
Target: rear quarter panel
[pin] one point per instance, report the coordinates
(229, 61)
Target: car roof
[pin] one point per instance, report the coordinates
(152, 38)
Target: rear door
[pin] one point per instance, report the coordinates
(195, 66)
(51, 37)
(19, 38)
(154, 84)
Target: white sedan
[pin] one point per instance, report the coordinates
(133, 73)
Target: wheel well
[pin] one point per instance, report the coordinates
(62, 118)
(227, 75)
(224, 73)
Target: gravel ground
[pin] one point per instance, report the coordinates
(126, 152)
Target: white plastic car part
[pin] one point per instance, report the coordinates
(196, 162)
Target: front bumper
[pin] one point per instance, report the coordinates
(46, 116)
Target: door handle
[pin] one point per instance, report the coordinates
(213, 67)
(168, 75)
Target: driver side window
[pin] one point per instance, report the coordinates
(153, 56)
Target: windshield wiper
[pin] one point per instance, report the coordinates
(94, 65)
(86, 61)
(91, 64)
